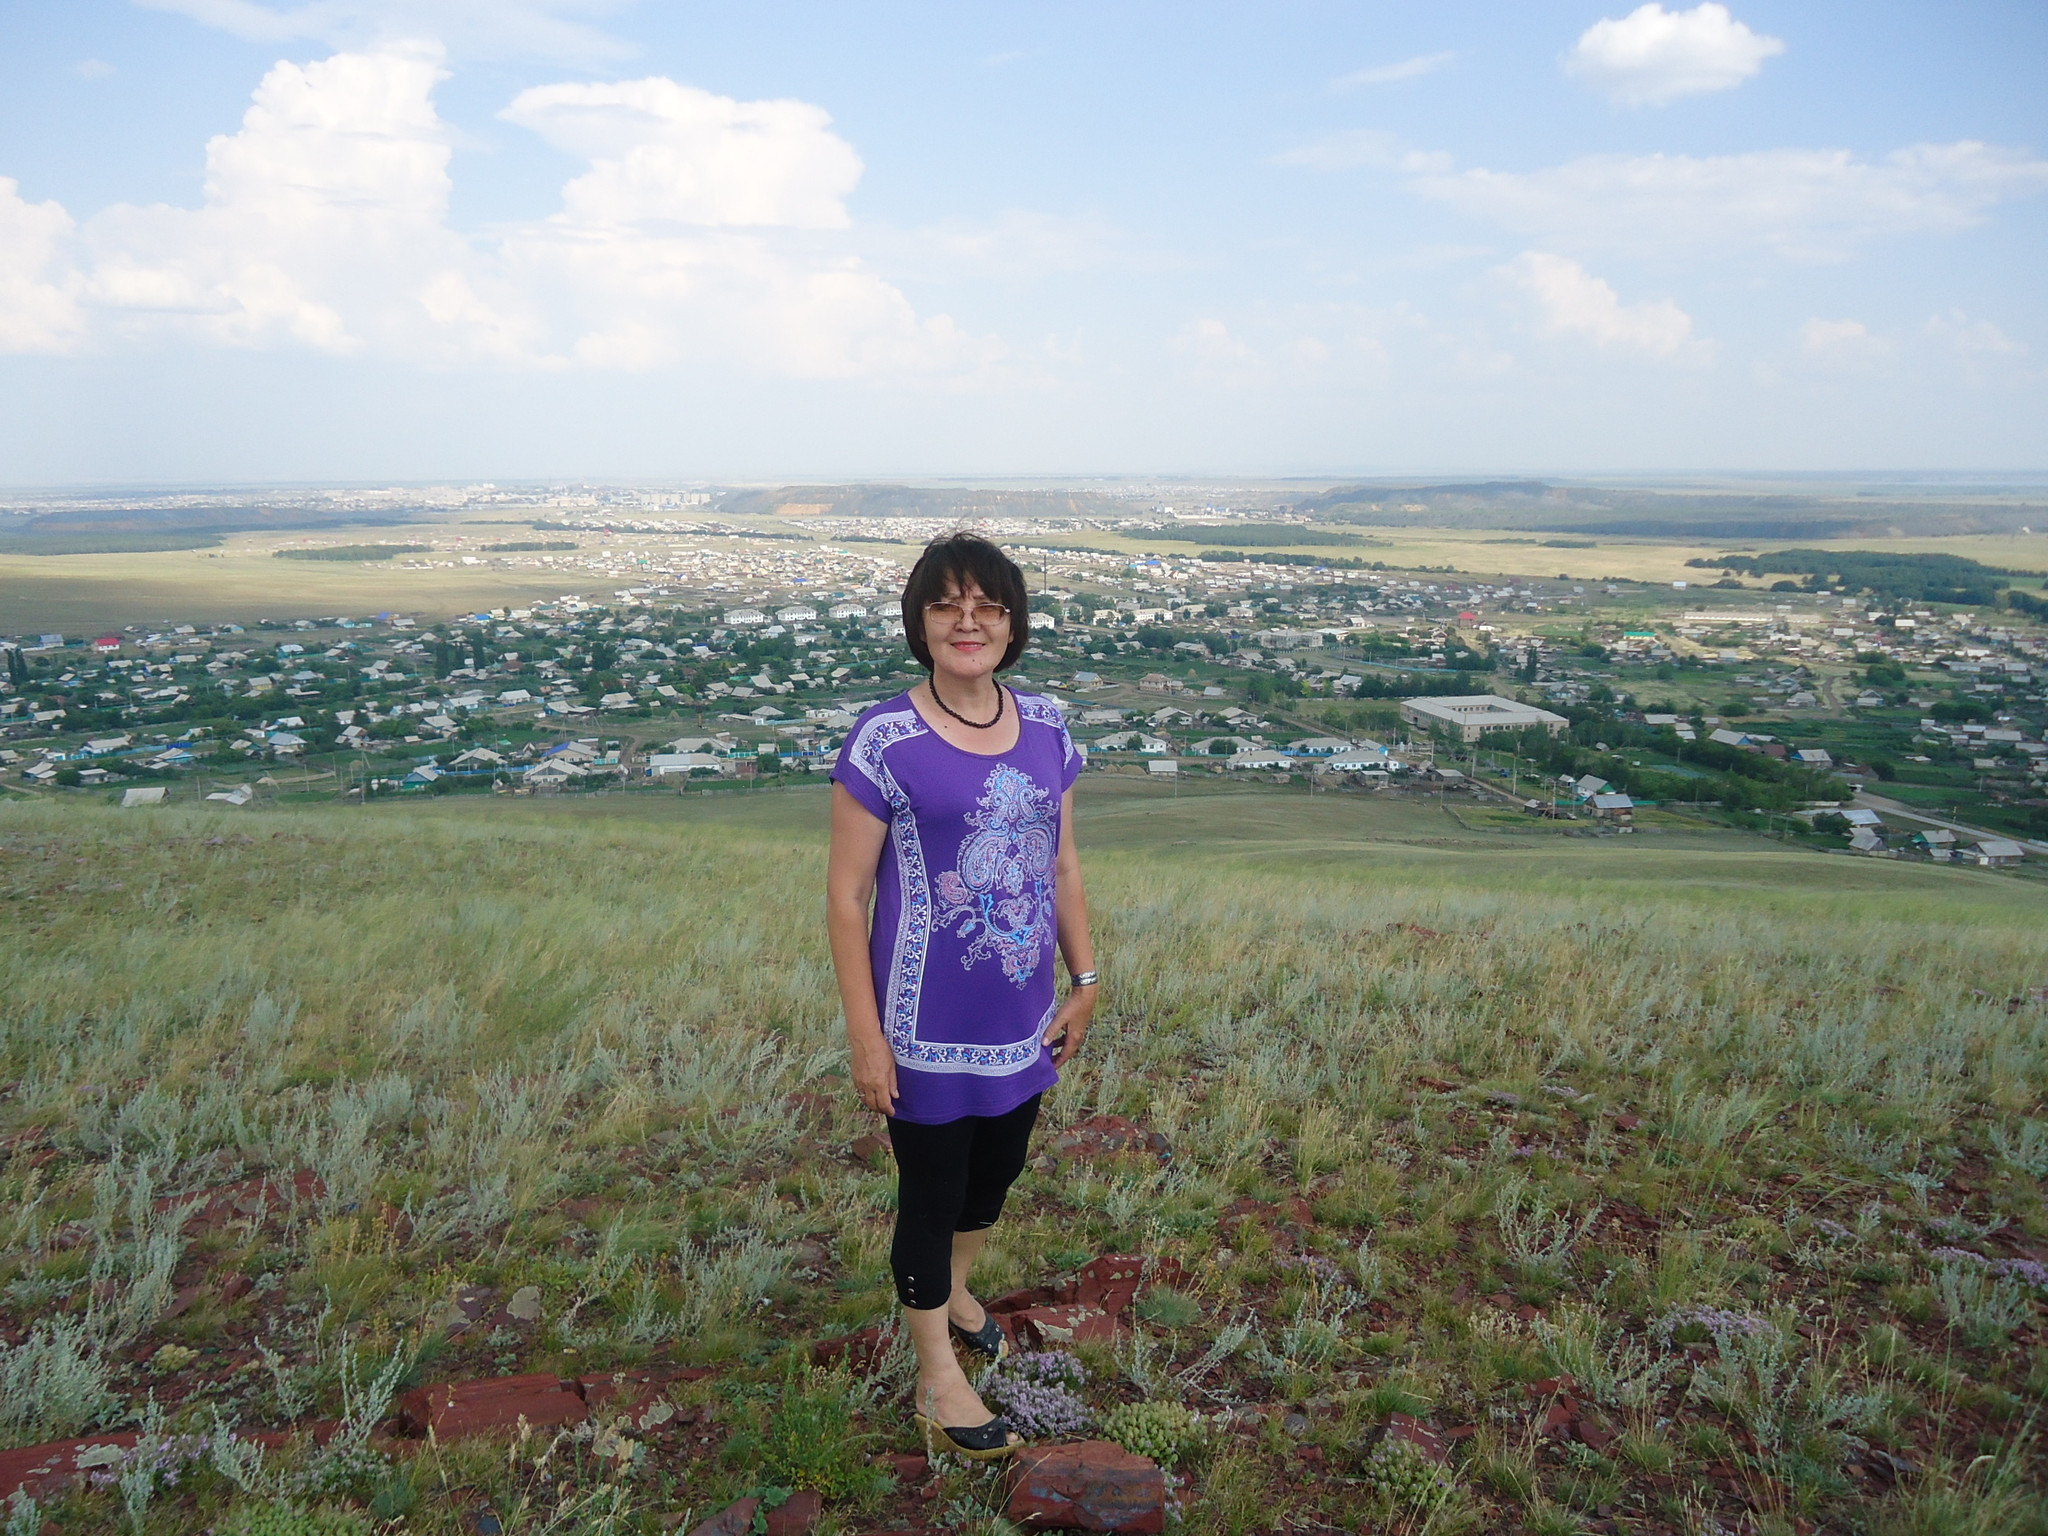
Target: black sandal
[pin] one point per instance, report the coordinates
(979, 1442)
(988, 1340)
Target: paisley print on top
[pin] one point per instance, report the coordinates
(1000, 897)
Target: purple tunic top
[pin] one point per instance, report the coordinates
(964, 939)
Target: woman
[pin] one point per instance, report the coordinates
(951, 813)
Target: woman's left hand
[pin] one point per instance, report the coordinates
(1070, 1025)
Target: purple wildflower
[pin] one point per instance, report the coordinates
(1036, 1390)
(1720, 1324)
(1956, 1256)
(1317, 1266)
(2029, 1272)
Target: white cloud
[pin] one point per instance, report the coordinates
(1807, 204)
(92, 69)
(542, 29)
(1838, 339)
(663, 152)
(1388, 74)
(38, 302)
(1653, 56)
(701, 229)
(1355, 147)
(1842, 344)
(1572, 301)
(1015, 245)
(1979, 338)
(1206, 339)
(322, 215)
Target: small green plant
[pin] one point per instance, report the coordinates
(1167, 1308)
(286, 1519)
(1407, 1478)
(1539, 1236)
(808, 1438)
(1982, 1304)
(2023, 1147)
(55, 1381)
(171, 1359)
(1169, 1433)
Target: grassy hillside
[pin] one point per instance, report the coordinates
(1677, 1184)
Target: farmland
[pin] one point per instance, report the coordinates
(1670, 1183)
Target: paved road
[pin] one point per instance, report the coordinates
(1884, 807)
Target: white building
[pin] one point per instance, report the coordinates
(1479, 715)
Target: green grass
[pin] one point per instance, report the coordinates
(592, 1046)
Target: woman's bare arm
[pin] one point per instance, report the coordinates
(1077, 944)
(857, 843)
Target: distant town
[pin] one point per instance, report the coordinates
(686, 652)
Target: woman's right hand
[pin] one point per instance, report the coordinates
(874, 1076)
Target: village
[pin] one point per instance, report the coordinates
(738, 659)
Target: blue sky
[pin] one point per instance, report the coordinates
(247, 240)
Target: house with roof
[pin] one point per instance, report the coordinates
(1936, 842)
(1998, 852)
(1470, 718)
(662, 765)
(553, 773)
(1132, 741)
(1224, 746)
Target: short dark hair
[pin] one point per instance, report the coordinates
(956, 560)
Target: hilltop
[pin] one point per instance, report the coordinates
(1626, 1187)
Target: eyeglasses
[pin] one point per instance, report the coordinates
(988, 615)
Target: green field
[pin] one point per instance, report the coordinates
(1682, 1182)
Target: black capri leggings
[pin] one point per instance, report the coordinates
(950, 1178)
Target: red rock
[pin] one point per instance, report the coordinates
(733, 1520)
(248, 1199)
(858, 1350)
(1017, 1301)
(795, 1516)
(1099, 1134)
(869, 1149)
(1627, 1122)
(1557, 1421)
(1111, 1282)
(395, 1220)
(909, 1467)
(38, 1470)
(454, 1410)
(1593, 1432)
(1298, 1211)
(181, 1302)
(1092, 1486)
(623, 1391)
(234, 1287)
(1055, 1327)
(1404, 1429)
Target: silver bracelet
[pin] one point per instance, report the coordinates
(1084, 979)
